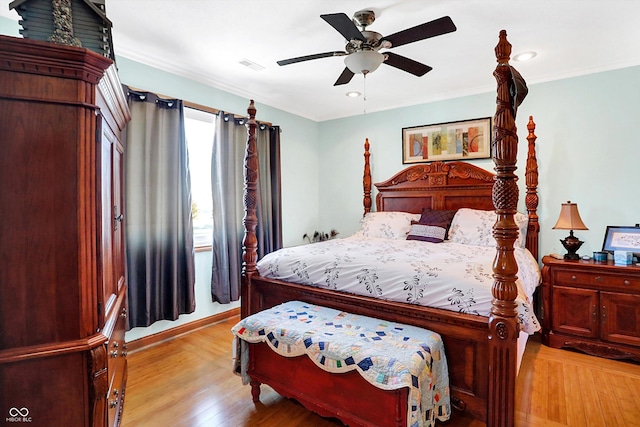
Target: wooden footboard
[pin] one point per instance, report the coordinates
(464, 336)
(346, 396)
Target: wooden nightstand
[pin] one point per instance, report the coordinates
(591, 306)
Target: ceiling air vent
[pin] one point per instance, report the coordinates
(250, 64)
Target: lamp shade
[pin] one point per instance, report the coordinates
(569, 218)
(363, 61)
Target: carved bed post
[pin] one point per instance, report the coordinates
(366, 179)
(250, 220)
(531, 200)
(503, 329)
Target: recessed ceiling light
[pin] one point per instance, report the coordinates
(353, 94)
(524, 56)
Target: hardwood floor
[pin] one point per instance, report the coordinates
(187, 382)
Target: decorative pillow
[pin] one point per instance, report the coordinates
(475, 227)
(427, 233)
(391, 225)
(437, 217)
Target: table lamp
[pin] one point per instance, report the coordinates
(569, 219)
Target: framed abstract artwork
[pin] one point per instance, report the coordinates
(464, 140)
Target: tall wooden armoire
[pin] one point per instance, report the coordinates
(62, 265)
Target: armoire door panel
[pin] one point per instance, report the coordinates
(109, 288)
(38, 223)
(119, 215)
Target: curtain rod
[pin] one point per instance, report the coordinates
(199, 106)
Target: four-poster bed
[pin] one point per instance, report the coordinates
(482, 351)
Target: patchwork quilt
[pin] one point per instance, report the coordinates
(388, 355)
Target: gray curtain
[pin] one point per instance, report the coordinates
(227, 185)
(159, 231)
(269, 211)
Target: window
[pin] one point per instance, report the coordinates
(199, 128)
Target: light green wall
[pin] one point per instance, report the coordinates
(342, 152)
(587, 152)
(9, 27)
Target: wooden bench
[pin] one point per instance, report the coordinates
(361, 370)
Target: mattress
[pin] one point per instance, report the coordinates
(447, 275)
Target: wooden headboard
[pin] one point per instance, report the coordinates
(450, 186)
(436, 185)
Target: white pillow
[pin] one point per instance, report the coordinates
(390, 225)
(475, 227)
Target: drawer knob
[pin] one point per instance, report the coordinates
(574, 278)
(627, 282)
(599, 279)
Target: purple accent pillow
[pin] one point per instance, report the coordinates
(427, 233)
(437, 217)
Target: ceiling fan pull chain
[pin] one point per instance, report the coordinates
(364, 98)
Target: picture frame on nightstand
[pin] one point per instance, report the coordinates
(622, 238)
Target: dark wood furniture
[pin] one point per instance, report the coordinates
(62, 266)
(591, 306)
(327, 394)
(481, 351)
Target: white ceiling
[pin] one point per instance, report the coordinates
(205, 39)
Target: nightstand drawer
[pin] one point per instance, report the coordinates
(621, 282)
(574, 278)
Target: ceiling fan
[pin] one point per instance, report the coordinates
(362, 49)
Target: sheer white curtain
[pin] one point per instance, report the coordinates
(159, 231)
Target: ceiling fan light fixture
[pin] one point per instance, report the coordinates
(364, 61)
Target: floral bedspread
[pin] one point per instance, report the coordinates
(446, 275)
(388, 355)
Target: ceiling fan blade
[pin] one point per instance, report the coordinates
(405, 64)
(310, 57)
(433, 28)
(344, 25)
(345, 77)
